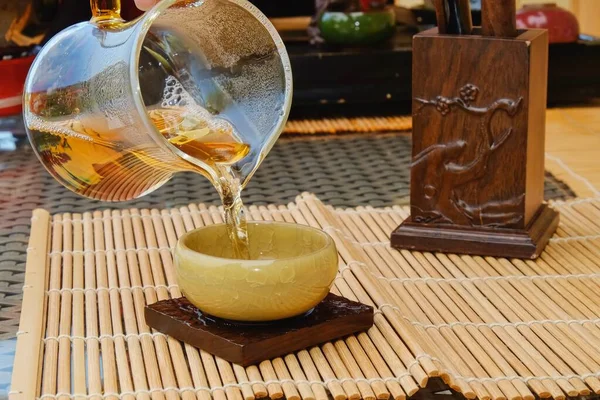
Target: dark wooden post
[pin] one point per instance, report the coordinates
(498, 18)
(477, 174)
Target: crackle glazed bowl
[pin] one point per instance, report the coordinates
(290, 270)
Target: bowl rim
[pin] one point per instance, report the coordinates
(329, 242)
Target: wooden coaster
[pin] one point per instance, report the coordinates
(250, 343)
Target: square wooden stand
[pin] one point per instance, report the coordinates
(477, 174)
(250, 343)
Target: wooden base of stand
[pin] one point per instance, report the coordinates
(250, 343)
(512, 243)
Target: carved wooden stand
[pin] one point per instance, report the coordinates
(477, 174)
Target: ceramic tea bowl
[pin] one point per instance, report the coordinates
(290, 270)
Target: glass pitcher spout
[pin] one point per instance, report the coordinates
(106, 11)
(113, 109)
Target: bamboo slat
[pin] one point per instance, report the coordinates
(491, 328)
(343, 125)
(28, 369)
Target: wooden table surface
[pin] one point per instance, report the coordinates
(573, 148)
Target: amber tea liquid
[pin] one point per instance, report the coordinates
(69, 147)
(215, 144)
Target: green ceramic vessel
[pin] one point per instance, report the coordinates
(357, 27)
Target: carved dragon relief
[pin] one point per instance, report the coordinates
(438, 198)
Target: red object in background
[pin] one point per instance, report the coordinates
(562, 25)
(12, 79)
(368, 5)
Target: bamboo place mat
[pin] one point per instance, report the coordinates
(491, 328)
(344, 125)
(396, 123)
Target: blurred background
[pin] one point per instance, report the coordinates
(358, 65)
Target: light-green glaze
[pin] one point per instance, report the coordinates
(290, 270)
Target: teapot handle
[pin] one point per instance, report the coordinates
(104, 11)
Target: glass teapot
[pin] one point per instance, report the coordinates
(113, 109)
